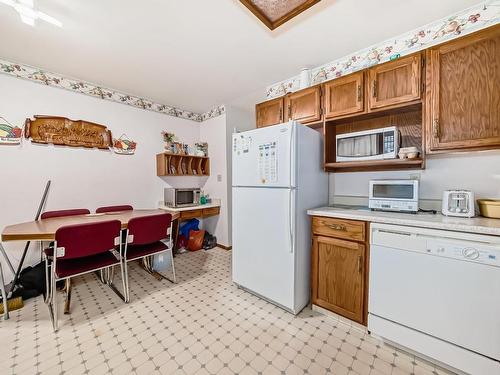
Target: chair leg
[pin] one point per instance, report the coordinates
(67, 302)
(53, 303)
(158, 275)
(48, 286)
(110, 274)
(125, 272)
(173, 265)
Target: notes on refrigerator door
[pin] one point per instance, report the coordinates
(268, 162)
(241, 144)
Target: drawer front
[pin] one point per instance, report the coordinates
(339, 228)
(191, 214)
(212, 211)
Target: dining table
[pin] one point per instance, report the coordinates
(45, 230)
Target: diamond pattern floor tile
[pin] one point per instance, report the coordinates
(201, 325)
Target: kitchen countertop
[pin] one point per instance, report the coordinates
(479, 225)
(215, 203)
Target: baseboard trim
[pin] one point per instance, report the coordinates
(224, 247)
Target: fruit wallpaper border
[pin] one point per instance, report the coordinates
(461, 23)
(79, 86)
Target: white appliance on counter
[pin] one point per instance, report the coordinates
(437, 293)
(277, 177)
(458, 203)
(394, 195)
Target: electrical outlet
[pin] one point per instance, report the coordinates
(219, 178)
(415, 176)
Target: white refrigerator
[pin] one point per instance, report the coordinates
(277, 176)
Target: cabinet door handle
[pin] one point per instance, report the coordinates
(359, 93)
(374, 89)
(360, 264)
(435, 128)
(281, 113)
(337, 227)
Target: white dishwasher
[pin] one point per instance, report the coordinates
(437, 293)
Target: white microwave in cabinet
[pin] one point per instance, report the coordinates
(374, 144)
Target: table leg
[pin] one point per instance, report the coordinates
(4, 295)
(7, 259)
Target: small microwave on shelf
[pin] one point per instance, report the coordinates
(182, 197)
(374, 144)
(394, 195)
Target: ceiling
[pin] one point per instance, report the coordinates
(196, 54)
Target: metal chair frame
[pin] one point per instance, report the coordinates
(147, 260)
(51, 295)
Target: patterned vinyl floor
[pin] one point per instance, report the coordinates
(201, 325)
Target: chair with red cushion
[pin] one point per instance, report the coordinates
(148, 236)
(60, 213)
(80, 249)
(105, 209)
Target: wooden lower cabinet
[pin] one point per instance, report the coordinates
(339, 276)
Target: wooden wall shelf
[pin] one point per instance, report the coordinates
(375, 165)
(182, 165)
(409, 122)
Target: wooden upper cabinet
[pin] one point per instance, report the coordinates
(304, 106)
(344, 96)
(338, 278)
(269, 113)
(395, 83)
(464, 93)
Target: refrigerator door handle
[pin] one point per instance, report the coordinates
(291, 219)
(293, 155)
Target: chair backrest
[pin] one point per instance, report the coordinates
(124, 207)
(60, 213)
(83, 240)
(149, 229)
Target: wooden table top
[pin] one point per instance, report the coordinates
(46, 229)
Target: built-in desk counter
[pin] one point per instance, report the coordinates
(200, 211)
(185, 213)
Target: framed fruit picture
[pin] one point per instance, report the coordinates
(124, 146)
(9, 134)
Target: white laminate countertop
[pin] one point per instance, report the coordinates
(215, 203)
(478, 225)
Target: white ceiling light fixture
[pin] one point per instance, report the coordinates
(28, 13)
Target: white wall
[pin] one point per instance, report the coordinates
(81, 177)
(218, 133)
(477, 171)
(213, 131)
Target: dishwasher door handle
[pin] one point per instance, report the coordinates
(395, 232)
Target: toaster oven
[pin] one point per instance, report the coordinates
(394, 195)
(182, 197)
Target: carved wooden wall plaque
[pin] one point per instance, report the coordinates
(63, 131)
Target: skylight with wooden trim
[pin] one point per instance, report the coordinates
(274, 13)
